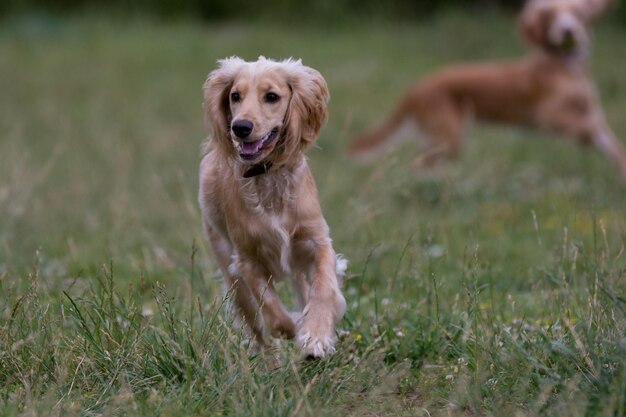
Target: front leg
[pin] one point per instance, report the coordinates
(580, 116)
(606, 142)
(246, 305)
(278, 321)
(325, 306)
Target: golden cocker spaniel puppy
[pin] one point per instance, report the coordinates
(259, 201)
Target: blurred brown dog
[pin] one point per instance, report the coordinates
(549, 90)
(259, 201)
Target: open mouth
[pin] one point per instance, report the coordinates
(251, 150)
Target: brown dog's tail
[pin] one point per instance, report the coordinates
(372, 143)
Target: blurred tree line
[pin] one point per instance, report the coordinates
(294, 11)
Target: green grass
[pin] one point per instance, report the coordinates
(495, 288)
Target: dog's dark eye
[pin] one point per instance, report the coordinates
(235, 97)
(272, 97)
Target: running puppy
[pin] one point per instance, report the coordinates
(259, 201)
(549, 89)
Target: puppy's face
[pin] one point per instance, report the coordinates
(560, 27)
(265, 110)
(258, 103)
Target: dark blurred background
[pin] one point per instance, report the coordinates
(325, 11)
(284, 10)
(281, 11)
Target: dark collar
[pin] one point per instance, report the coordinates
(258, 169)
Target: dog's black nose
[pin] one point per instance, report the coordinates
(242, 128)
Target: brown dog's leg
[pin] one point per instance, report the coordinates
(276, 316)
(582, 119)
(245, 302)
(606, 142)
(301, 288)
(325, 306)
(441, 120)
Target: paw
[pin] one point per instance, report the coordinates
(316, 346)
(316, 328)
(316, 334)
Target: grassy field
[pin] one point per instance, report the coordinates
(494, 288)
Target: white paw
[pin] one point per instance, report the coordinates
(316, 332)
(317, 347)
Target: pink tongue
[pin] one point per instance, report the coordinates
(251, 147)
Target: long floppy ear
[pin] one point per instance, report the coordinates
(216, 102)
(308, 109)
(533, 22)
(594, 9)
